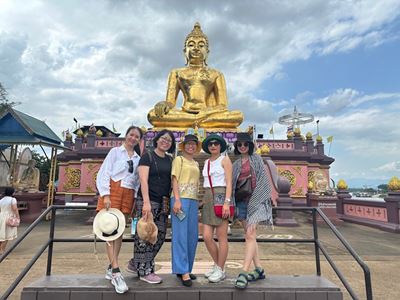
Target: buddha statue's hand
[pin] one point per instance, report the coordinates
(162, 108)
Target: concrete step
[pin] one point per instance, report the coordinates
(274, 287)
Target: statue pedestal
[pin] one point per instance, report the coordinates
(328, 206)
(30, 205)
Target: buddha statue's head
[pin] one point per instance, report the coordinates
(196, 46)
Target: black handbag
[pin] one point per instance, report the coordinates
(243, 189)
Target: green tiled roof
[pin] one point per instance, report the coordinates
(38, 127)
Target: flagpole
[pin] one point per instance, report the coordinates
(329, 150)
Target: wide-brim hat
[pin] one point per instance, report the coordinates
(243, 137)
(214, 137)
(147, 230)
(108, 225)
(190, 138)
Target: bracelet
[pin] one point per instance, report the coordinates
(228, 200)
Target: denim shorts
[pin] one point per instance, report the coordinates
(241, 210)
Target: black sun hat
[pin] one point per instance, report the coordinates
(214, 137)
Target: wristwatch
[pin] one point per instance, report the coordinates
(228, 200)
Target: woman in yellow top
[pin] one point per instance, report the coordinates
(184, 205)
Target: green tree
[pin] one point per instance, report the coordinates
(4, 102)
(383, 187)
(43, 164)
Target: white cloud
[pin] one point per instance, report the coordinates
(393, 166)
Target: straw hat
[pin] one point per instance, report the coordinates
(190, 138)
(147, 230)
(109, 224)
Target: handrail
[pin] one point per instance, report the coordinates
(361, 263)
(317, 244)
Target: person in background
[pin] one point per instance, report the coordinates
(152, 201)
(217, 173)
(117, 181)
(8, 208)
(252, 192)
(184, 209)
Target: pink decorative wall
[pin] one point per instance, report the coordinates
(368, 212)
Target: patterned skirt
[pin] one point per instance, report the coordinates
(208, 216)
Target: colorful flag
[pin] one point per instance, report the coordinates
(329, 139)
(289, 129)
(271, 131)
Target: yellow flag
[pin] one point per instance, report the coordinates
(329, 139)
(271, 131)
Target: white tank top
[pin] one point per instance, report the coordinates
(217, 173)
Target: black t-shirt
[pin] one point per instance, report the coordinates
(159, 175)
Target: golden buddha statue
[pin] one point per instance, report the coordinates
(205, 102)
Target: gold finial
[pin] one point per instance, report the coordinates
(99, 133)
(310, 186)
(297, 131)
(79, 133)
(265, 149)
(290, 135)
(68, 136)
(319, 139)
(143, 129)
(394, 184)
(342, 185)
(196, 32)
(309, 136)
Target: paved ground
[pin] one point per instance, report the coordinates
(380, 250)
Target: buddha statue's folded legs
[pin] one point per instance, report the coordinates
(177, 118)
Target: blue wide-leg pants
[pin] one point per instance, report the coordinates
(185, 235)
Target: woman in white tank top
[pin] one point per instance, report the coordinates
(217, 174)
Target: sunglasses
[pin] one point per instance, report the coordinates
(245, 144)
(214, 143)
(130, 163)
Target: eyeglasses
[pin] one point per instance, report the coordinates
(213, 143)
(245, 144)
(166, 140)
(130, 163)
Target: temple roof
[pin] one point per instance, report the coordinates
(19, 128)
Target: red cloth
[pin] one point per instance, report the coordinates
(245, 172)
(121, 198)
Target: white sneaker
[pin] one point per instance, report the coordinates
(209, 273)
(217, 276)
(108, 274)
(119, 283)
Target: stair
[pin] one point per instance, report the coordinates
(75, 287)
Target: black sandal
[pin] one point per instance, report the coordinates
(241, 281)
(257, 274)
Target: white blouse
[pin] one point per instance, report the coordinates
(217, 173)
(115, 166)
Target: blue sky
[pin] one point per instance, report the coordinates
(107, 62)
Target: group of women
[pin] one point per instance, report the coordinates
(144, 185)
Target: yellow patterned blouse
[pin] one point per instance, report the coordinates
(187, 173)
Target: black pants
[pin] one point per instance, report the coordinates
(144, 253)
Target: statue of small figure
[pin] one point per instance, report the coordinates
(29, 181)
(205, 103)
(321, 185)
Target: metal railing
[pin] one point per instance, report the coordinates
(315, 240)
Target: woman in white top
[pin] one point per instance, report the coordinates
(8, 208)
(117, 181)
(217, 174)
